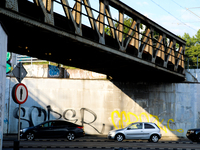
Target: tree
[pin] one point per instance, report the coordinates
(189, 41)
(198, 37)
(192, 49)
(127, 22)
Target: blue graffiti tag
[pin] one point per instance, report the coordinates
(54, 71)
(6, 120)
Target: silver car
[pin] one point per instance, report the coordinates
(138, 130)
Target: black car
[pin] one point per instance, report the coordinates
(193, 135)
(53, 129)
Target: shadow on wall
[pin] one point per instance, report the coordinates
(165, 104)
(35, 110)
(49, 114)
(101, 105)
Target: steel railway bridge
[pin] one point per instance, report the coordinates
(147, 52)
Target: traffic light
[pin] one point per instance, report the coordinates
(8, 63)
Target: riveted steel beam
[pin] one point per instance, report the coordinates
(145, 39)
(12, 4)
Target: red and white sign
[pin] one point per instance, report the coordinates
(19, 93)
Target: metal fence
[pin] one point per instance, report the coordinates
(28, 59)
(192, 62)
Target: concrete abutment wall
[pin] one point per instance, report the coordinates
(3, 51)
(104, 105)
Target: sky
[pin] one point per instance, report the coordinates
(177, 16)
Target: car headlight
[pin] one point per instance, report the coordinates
(192, 131)
(112, 133)
(23, 130)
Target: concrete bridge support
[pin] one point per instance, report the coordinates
(3, 51)
(102, 105)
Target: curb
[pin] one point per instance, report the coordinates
(104, 140)
(114, 148)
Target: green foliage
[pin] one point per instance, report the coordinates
(127, 24)
(192, 49)
(198, 37)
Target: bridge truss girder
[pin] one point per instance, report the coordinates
(138, 55)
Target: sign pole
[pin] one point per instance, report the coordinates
(20, 78)
(20, 72)
(19, 123)
(19, 95)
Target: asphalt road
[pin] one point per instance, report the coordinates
(97, 144)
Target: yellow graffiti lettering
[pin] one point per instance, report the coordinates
(129, 118)
(124, 117)
(156, 120)
(123, 113)
(159, 124)
(168, 125)
(113, 121)
(178, 130)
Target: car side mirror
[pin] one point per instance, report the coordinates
(128, 128)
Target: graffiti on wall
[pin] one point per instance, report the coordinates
(57, 72)
(120, 120)
(54, 71)
(46, 115)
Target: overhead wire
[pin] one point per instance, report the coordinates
(188, 9)
(187, 22)
(172, 14)
(193, 13)
(178, 4)
(193, 7)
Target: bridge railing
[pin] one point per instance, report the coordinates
(192, 62)
(142, 38)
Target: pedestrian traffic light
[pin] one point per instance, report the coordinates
(8, 62)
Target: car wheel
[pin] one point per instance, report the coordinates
(119, 137)
(30, 136)
(154, 138)
(70, 136)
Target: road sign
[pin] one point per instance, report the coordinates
(19, 93)
(19, 72)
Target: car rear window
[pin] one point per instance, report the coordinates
(148, 126)
(157, 126)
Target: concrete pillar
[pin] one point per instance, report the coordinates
(3, 52)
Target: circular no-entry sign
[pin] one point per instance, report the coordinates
(19, 93)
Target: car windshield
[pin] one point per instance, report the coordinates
(42, 124)
(135, 126)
